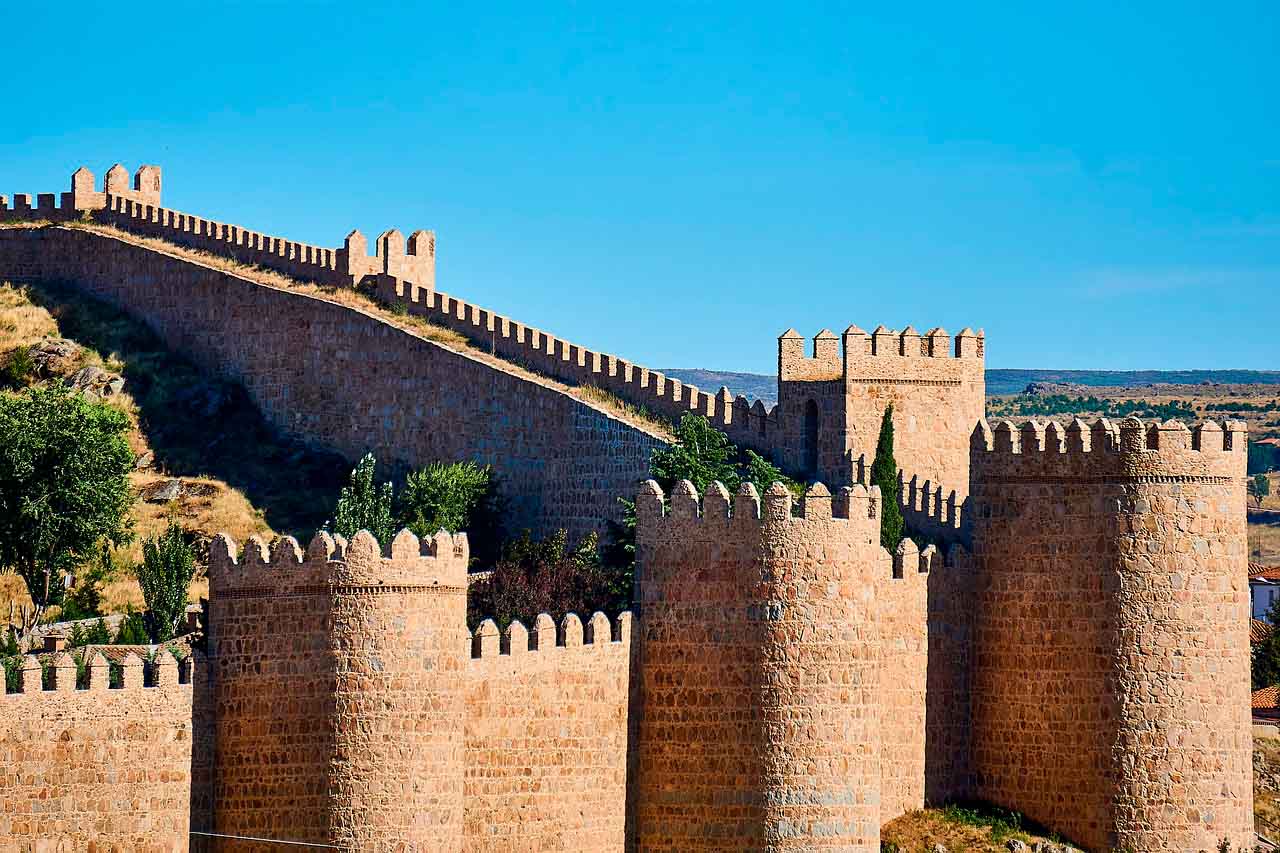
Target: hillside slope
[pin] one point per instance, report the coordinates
(353, 379)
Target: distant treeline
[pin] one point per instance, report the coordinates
(1243, 407)
(1029, 405)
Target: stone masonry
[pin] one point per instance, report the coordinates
(1071, 643)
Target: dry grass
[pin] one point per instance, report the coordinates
(1266, 804)
(977, 829)
(1264, 539)
(21, 322)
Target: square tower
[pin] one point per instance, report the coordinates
(830, 402)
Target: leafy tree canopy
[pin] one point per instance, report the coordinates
(702, 454)
(63, 487)
(455, 496)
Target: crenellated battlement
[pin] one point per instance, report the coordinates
(136, 208)
(488, 643)
(932, 509)
(830, 357)
(1131, 448)
(135, 674)
(331, 561)
(856, 504)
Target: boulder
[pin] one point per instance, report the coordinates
(54, 357)
(95, 382)
(162, 492)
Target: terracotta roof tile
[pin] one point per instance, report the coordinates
(1258, 631)
(1266, 699)
(1258, 571)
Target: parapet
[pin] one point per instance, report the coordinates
(517, 641)
(1133, 449)
(831, 357)
(931, 509)
(331, 562)
(53, 675)
(135, 207)
(857, 505)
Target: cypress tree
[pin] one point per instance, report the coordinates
(884, 473)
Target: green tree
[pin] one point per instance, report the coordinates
(1265, 656)
(702, 454)
(884, 473)
(63, 487)
(1260, 487)
(365, 504)
(455, 496)
(132, 631)
(165, 575)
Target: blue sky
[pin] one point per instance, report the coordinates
(1098, 187)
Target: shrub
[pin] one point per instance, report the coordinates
(454, 496)
(164, 575)
(9, 646)
(701, 455)
(133, 630)
(18, 369)
(546, 576)
(364, 504)
(98, 634)
(12, 674)
(63, 488)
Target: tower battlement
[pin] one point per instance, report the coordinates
(440, 560)
(831, 357)
(1050, 449)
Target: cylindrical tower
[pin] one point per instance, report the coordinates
(272, 692)
(1183, 748)
(1110, 697)
(399, 644)
(759, 724)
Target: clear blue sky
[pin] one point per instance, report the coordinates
(1097, 186)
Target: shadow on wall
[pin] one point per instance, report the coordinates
(197, 425)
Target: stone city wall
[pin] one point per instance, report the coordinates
(1110, 686)
(347, 380)
(97, 768)
(137, 209)
(546, 736)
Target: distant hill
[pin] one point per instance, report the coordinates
(765, 386)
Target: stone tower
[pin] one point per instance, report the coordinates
(830, 403)
(339, 690)
(1112, 697)
(759, 725)
(400, 646)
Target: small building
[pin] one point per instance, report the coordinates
(1264, 587)
(1266, 703)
